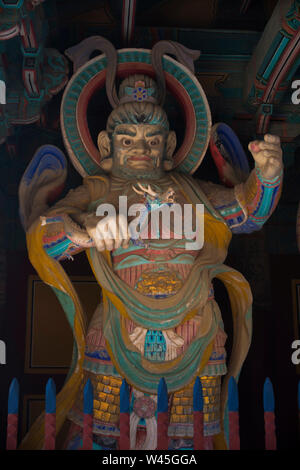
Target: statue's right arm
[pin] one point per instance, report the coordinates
(65, 234)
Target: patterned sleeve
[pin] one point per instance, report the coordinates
(247, 206)
(58, 242)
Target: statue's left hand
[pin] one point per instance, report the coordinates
(267, 154)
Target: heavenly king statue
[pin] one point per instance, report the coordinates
(157, 316)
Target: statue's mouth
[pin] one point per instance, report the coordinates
(139, 158)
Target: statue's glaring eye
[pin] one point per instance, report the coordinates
(154, 142)
(127, 142)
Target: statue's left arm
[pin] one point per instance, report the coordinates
(248, 205)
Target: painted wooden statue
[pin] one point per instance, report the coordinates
(158, 317)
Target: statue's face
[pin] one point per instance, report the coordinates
(138, 149)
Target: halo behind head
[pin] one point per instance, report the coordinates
(181, 83)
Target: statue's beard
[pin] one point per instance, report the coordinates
(131, 172)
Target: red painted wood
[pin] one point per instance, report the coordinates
(87, 438)
(234, 430)
(270, 435)
(50, 431)
(162, 431)
(198, 430)
(124, 441)
(12, 431)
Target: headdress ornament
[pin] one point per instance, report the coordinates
(139, 93)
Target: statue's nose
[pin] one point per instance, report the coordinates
(141, 146)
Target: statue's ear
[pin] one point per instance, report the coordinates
(104, 149)
(170, 148)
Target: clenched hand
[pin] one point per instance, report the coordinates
(267, 154)
(109, 233)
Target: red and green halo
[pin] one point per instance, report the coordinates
(180, 82)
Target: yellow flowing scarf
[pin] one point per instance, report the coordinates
(52, 273)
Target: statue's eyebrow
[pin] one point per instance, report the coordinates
(153, 133)
(125, 131)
